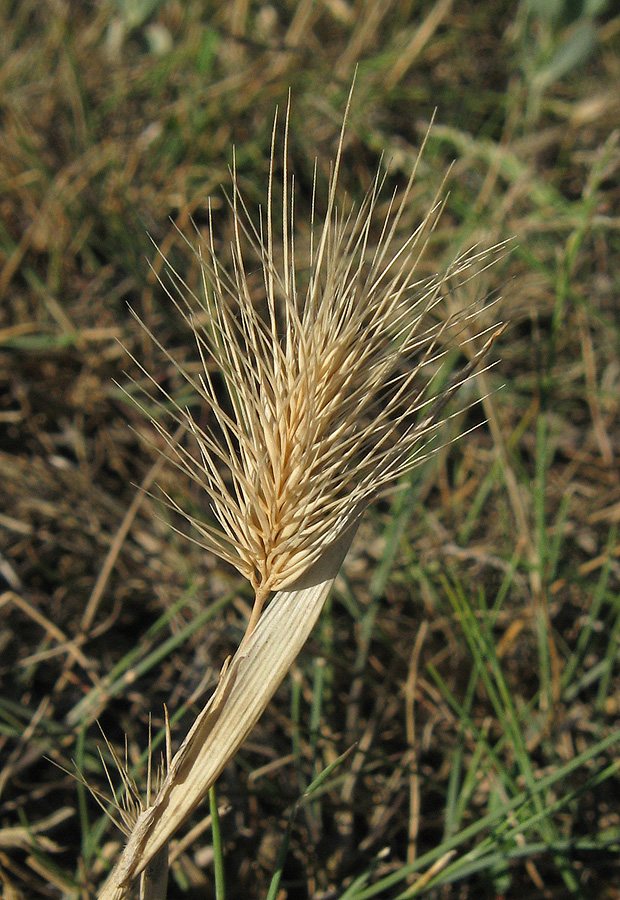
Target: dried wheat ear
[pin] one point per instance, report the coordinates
(327, 400)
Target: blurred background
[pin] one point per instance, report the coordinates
(469, 655)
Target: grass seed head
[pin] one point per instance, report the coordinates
(325, 401)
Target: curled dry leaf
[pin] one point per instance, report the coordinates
(247, 684)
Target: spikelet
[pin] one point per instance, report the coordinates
(319, 415)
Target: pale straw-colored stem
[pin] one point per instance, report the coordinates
(247, 684)
(259, 602)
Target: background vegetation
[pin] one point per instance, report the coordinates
(469, 655)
